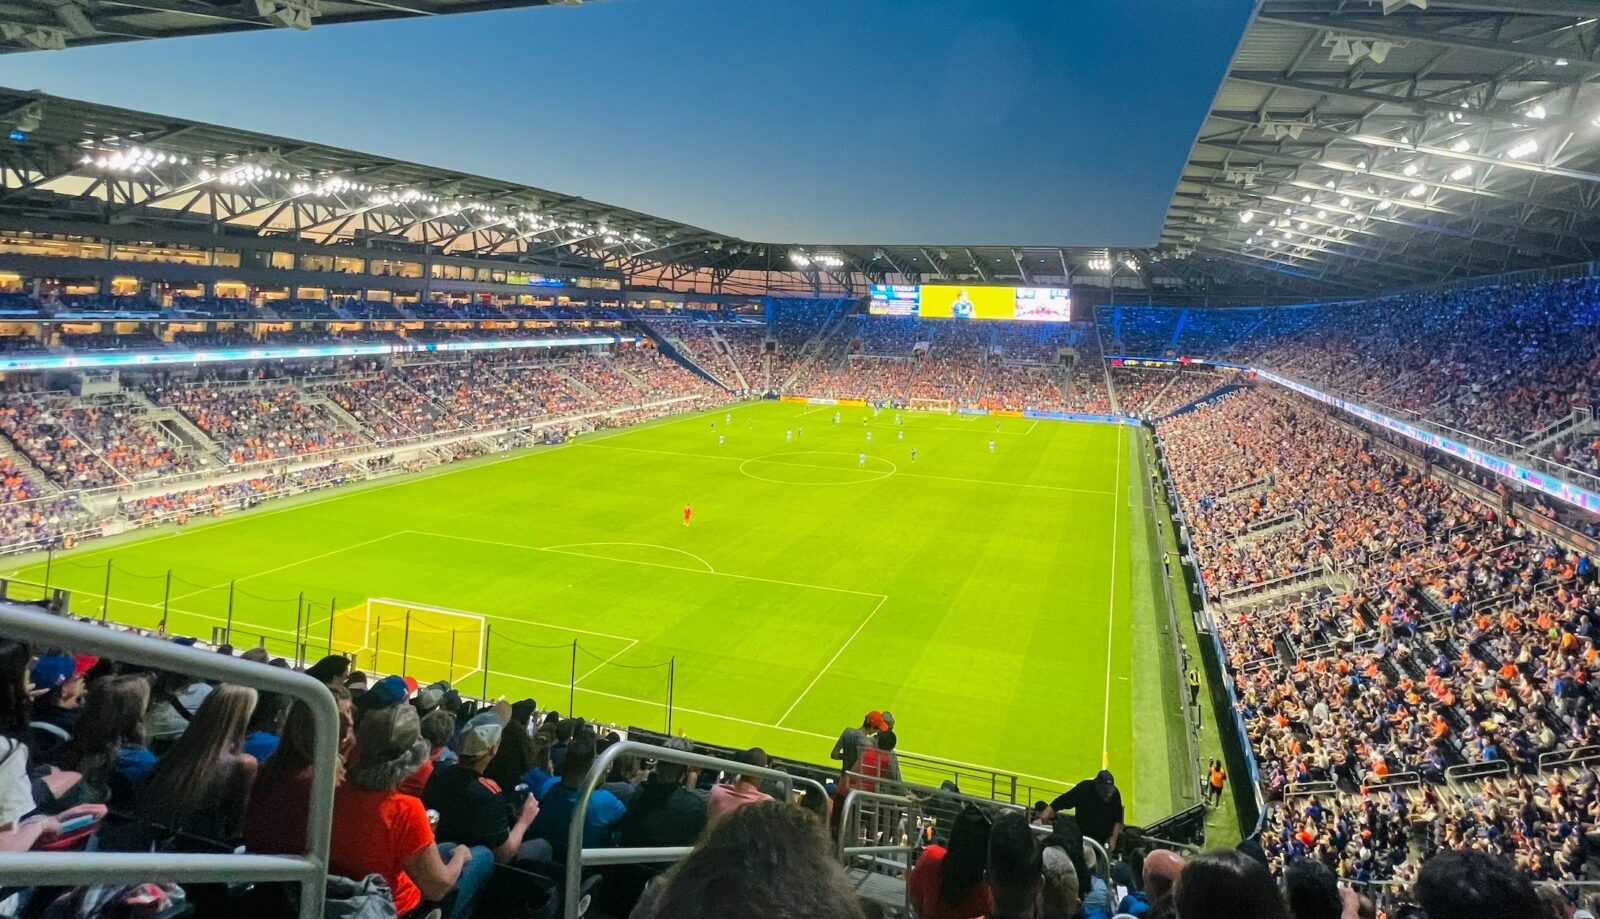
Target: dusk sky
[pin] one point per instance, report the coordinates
(1009, 122)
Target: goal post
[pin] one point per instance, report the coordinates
(933, 405)
(429, 643)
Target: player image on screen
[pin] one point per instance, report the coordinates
(962, 307)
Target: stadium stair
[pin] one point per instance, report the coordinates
(182, 431)
(1177, 331)
(313, 397)
(668, 349)
(725, 348)
(27, 469)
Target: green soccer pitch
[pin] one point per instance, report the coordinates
(1000, 603)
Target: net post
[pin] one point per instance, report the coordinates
(487, 632)
(229, 625)
(377, 635)
(333, 609)
(572, 680)
(299, 614)
(405, 645)
(450, 668)
(166, 601)
(49, 562)
(105, 599)
(672, 682)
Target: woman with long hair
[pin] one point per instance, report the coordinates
(108, 746)
(201, 785)
(947, 882)
(275, 821)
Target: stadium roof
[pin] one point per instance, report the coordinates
(1352, 148)
(1394, 143)
(32, 25)
(84, 165)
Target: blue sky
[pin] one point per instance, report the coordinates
(1007, 122)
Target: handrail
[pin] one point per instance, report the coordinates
(1563, 759)
(310, 871)
(578, 856)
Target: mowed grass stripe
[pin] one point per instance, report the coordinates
(990, 649)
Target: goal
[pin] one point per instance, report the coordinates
(933, 405)
(430, 643)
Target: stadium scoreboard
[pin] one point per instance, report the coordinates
(949, 301)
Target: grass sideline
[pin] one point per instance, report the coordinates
(987, 599)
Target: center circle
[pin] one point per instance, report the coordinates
(773, 467)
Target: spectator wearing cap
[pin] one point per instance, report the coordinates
(1015, 868)
(847, 749)
(378, 830)
(560, 801)
(58, 683)
(22, 825)
(475, 811)
(742, 791)
(1097, 803)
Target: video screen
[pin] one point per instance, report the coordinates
(893, 300)
(952, 301)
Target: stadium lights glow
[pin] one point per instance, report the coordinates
(1461, 146)
(1345, 201)
(1418, 190)
(1562, 62)
(1384, 205)
(1538, 112)
(1460, 173)
(1524, 149)
(1247, 216)
(1411, 170)
(1322, 215)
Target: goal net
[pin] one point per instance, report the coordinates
(933, 405)
(430, 643)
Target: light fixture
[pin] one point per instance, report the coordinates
(1524, 149)
(1410, 170)
(1247, 216)
(1461, 172)
(1418, 190)
(1461, 146)
(1345, 201)
(1537, 112)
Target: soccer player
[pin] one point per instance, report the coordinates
(720, 440)
(788, 436)
(687, 513)
(913, 454)
(835, 417)
(800, 432)
(861, 460)
(991, 446)
(900, 435)
(713, 424)
(869, 437)
(897, 418)
(997, 427)
(728, 418)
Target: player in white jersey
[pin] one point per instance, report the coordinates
(788, 436)
(861, 459)
(900, 435)
(898, 419)
(728, 418)
(721, 440)
(991, 446)
(869, 437)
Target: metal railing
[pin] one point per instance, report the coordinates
(310, 871)
(578, 856)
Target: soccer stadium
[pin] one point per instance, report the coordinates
(381, 537)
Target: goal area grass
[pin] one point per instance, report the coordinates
(997, 599)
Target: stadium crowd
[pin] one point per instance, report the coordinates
(1382, 628)
(445, 806)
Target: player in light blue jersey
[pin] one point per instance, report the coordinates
(861, 459)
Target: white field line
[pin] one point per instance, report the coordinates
(629, 561)
(338, 494)
(600, 666)
(710, 569)
(915, 475)
(1111, 615)
(825, 667)
(303, 561)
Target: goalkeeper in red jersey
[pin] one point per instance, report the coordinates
(687, 513)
